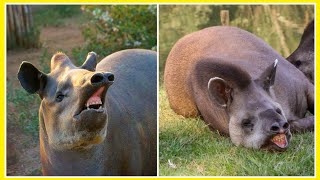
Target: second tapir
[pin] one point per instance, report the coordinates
(97, 120)
(240, 86)
(303, 56)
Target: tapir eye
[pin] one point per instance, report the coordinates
(278, 111)
(59, 97)
(247, 123)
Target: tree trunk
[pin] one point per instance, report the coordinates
(20, 28)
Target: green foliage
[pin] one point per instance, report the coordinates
(195, 151)
(53, 15)
(117, 27)
(23, 111)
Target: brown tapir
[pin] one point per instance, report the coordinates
(240, 86)
(97, 120)
(303, 56)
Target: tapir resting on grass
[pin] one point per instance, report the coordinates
(97, 120)
(240, 86)
(303, 56)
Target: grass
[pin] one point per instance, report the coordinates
(23, 109)
(196, 151)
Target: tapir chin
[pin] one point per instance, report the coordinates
(240, 86)
(97, 119)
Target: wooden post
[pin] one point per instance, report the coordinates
(224, 17)
(20, 31)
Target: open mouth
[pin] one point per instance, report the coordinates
(94, 104)
(280, 140)
(95, 101)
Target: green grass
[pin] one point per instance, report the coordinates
(196, 151)
(22, 109)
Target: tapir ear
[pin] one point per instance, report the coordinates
(31, 79)
(59, 60)
(219, 91)
(91, 62)
(268, 76)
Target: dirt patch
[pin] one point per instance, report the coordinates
(61, 39)
(22, 154)
(23, 157)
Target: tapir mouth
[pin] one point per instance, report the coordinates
(94, 103)
(280, 140)
(277, 142)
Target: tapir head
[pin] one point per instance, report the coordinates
(303, 56)
(72, 112)
(256, 119)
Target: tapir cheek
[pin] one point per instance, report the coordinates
(235, 131)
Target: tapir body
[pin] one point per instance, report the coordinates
(303, 56)
(90, 127)
(240, 86)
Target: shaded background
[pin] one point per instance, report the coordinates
(35, 33)
(186, 145)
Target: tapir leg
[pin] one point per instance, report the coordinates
(306, 123)
(302, 125)
(310, 97)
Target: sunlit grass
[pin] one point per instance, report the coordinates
(197, 151)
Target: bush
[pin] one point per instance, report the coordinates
(114, 28)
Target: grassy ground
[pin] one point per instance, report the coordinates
(196, 151)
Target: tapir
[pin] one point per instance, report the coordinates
(240, 86)
(97, 119)
(303, 56)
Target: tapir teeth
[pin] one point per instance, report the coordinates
(95, 99)
(93, 103)
(280, 140)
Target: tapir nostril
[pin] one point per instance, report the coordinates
(110, 77)
(97, 78)
(275, 127)
(285, 126)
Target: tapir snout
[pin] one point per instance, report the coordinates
(279, 127)
(92, 114)
(275, 123)
(102, 78)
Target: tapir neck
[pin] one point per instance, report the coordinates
(88, 161)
